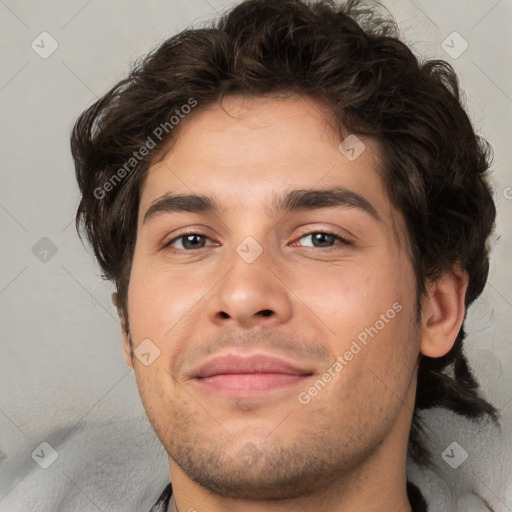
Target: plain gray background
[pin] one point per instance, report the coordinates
(63, 377)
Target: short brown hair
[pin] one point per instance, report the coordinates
(348, 56)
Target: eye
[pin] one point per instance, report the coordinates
(188, 241)
(322, 239)
(194, 241)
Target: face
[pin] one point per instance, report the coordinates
(278, 338)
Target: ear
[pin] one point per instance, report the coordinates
(443, 312)
(127, 348)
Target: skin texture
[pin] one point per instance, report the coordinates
(346, 448)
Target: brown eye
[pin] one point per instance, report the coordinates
(188, 241)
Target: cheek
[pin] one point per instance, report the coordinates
(350, 298)
(160, 299)
(148, 302)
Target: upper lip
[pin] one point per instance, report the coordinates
(254, 363)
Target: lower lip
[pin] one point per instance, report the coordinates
(247, 384)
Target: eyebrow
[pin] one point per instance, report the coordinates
(294, 200)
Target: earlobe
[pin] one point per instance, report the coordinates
(127, 348)
(443, 312)
(125, 335)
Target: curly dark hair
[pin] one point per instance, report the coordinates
(349, 57)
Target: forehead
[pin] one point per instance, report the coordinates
(247, 149)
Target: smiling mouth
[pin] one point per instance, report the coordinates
(239, 384)
(241, 375)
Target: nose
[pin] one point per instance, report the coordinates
(250, 294)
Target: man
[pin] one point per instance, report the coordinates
(295, 214)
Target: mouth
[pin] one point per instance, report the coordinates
(237, 376)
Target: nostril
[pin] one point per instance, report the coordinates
(224, 315)
(266, 312)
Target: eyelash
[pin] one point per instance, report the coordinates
(343, 241)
